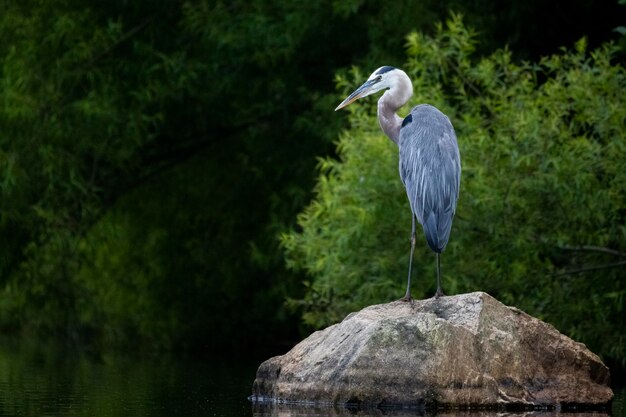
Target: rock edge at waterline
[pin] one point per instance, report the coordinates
(461, 351)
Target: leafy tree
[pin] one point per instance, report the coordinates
(541, 214)
(149, 158)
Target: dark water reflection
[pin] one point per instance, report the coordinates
(618, 409)
(56, 381)
(292, 411)
(53, 381)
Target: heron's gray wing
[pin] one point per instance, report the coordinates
(430, 169)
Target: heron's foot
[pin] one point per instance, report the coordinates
(407, 298)
(439, 293)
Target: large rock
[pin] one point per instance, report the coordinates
(467, 350)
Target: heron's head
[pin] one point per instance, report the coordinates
(381, 79)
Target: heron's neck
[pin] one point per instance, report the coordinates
(389, 103)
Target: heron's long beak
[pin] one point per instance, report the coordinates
(366, 89)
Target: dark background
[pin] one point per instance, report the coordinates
(152, 152)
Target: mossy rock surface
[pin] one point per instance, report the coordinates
(461, 351)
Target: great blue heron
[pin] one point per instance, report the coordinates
(430, 164)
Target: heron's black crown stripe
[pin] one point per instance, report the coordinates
(407, 120)
(384, 69)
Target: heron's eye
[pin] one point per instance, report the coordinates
(377, 79)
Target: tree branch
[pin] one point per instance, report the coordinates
(125, 36)
(589, 248)
(591, 268)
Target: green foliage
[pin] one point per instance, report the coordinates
(70, 120)
(148, 159)
(542, 192)
(151, 152)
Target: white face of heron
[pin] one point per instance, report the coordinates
(381, 79)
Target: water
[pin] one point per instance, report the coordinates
(36, 381)
(52, 382)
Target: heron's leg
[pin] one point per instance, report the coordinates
(407, 296)
(439, 292)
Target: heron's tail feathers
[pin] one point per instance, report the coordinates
(437, 231)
